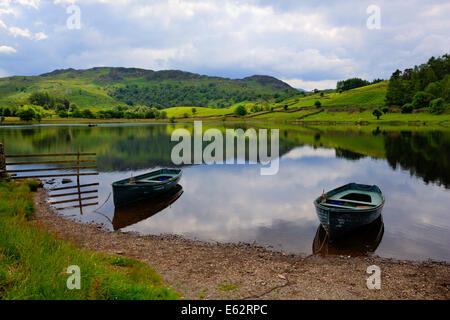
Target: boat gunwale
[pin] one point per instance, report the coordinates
(121, 183)
(351, 210)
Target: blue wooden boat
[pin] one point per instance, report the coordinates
(349, 207)
(144, 186)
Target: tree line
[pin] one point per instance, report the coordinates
(424, 86)
(166, 95)
(354, 83)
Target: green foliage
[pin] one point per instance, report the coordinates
(34, 185)
(318, 104)
(385, 110)
(351, 84)
(240, 111)
(421, 100)
(255, 108)
(407, 108)
(33, 262)
(437, 106)
(431, 78)
(377, 113)
(26, 114)
(63, 114)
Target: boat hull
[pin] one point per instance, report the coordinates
(340, 222)
(124, 194)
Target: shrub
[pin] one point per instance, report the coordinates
(63, 114)
(385, 110)
(437, 106)
(86, 113)
(255, 109)
(285, 107)
(407, 108)
(34, 185)
(26, 114)
(240, 111)
(318, 104)
(421, 100)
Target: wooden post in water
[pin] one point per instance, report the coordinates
(2, 161)
(78, 180)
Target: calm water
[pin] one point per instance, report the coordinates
(234, 203)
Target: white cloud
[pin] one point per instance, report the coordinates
(18, 32)
(7, 50)
(2, 24)
(40, 36)
(311, 85)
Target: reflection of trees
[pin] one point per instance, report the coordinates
(425, 155)
(349, 155)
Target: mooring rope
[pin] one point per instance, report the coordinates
(96, 210)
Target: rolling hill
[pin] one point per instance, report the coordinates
(105, 87)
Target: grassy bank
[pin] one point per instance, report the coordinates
(33, 261)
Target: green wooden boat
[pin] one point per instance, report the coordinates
(144, 186)
(348, 207)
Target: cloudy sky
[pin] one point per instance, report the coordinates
(309, 44)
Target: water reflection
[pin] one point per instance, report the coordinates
(133, 213)
(359, 243)
(231, 203)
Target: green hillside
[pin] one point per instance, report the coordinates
(103, 88)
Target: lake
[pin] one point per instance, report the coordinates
(234, 203)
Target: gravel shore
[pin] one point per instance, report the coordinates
(200, 270)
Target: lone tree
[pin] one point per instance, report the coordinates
(377, 113)
(285, 107)
(385, 110)
(318, 104)
(194, 110)
(240, 111)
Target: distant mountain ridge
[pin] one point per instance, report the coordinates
(122, 73)
(106, 87)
